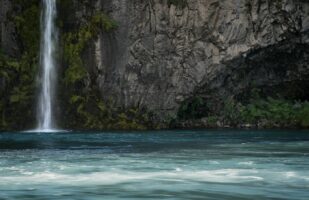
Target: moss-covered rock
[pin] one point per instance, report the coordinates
(85, 108)
(19, 72)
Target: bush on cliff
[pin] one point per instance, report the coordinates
(260, 112)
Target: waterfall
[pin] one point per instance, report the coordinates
(48, 72)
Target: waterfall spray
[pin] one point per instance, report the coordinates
(48, 72)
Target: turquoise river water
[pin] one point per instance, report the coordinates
(221, 165)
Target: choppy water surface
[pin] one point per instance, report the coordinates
(155, 165)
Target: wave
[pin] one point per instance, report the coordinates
(116, 177)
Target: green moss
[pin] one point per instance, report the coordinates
(19, 72)
(101, 21)
(75, 43)
(86, 109)
(90, 112)
(28, 30)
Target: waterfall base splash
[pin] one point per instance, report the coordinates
(46, 131)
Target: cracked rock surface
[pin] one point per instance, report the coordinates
(162, 54)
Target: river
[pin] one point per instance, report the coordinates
(204, 164)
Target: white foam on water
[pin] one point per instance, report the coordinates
(46, 131)
(290, 174)
(178, 169)
(246, 163)
(295, 176)
(110, 178)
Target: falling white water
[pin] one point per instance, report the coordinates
(48, 71)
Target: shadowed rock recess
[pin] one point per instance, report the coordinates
(132, 64)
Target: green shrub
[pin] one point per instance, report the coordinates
(277, 111)
(303, 115)
(212, 121)
(271, 112)
(194, 108)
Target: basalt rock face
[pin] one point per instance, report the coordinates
(163, 54)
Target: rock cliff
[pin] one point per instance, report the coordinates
(166, 52)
